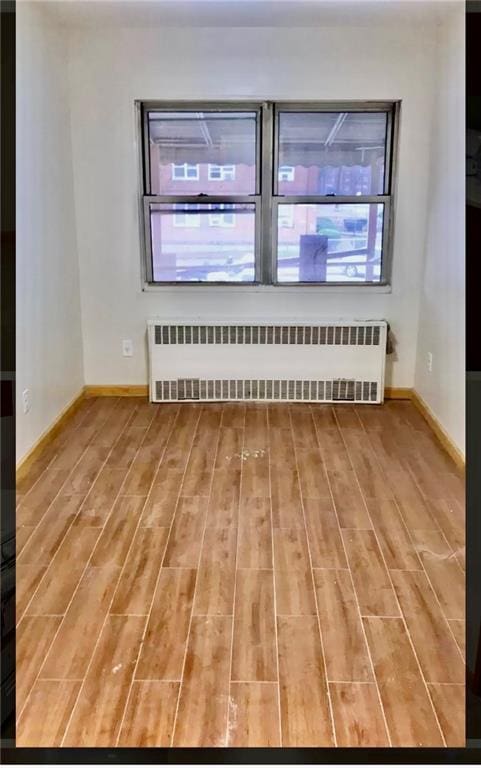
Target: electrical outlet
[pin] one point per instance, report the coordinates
(127, 348)
(430, 362)
(26, 400)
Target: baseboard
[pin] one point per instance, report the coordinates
(449, 446)
(48, 436)
(398, 393)
(116, 390)
(142, 390)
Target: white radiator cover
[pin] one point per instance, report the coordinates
(331, 361)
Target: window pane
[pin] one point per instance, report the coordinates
(341, 153)
(330, 243)
(203, 242)
(208, 152)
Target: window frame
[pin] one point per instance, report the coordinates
(283, 169)
(222, 170)
(185, 177)
(266, 196)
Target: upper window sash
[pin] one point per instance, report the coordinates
(340, 113)
(200, 118)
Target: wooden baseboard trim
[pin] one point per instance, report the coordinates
(116, 390)
(398, 393)
(142, 390)
(449, 446)
(48, 436)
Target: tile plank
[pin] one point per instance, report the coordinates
(116, 537)
(358, 715)
(84, 473)
(163, 648)
(223, 507)
(325, 542)
(185, 539)
(350, 507)
(161, 502)
(136, 587)
(435, 647)
(216, 575)
(73, 646)
(304, 704)
(409, 714)
(38, 499)
(62, 577)
(254, 715)
(286, 498)
(50, 533)
(150, 713)
(293, 577)
(254, 649)
(394, 540)
(100, 500)
(255, 534)
(125, 449)
(445, 574)
(345, 648)
(371, 581)
(449, 703)
(97, 715)
(204, 695)
(44, 719)
(30, 655)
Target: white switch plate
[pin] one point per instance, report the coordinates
(127, 348)
(430, 362)
(26, 400)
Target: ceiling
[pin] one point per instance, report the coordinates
(247, 13)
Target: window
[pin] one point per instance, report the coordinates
(286, 216)
(286, 173)
(183, 216)
(185, 172)
(222, 219)
(221, 172)
(306, 193)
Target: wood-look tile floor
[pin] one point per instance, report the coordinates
(241, 575)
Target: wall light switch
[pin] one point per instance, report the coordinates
(127, 348)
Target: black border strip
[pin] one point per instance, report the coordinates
(229, 756)
(7, 375)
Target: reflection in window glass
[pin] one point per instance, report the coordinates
(214, 151)
(332, 153)
(330, 243)
(218, 247)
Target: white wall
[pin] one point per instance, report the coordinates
(441, 319)
(49, 339)
(110, 68)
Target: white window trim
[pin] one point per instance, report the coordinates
(286, 173)
(225, 170)
(184, 177)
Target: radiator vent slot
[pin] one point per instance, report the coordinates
(339, 390)
(343, 389)
(337, 335)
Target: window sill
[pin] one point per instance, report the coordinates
(276, 289)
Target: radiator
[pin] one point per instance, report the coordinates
(324, 363)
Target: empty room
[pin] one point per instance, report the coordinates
(240, 373)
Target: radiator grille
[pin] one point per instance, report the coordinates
(337, 390)
(337, 335)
